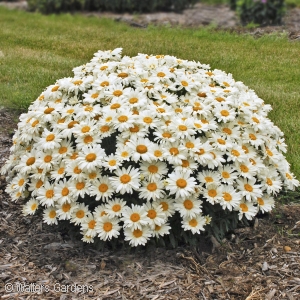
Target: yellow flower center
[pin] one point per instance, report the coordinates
(76, 170)
(201, 94)
(33, 206)
(212, 193)
(185, 163)
(181, 183)
(115, 106)
(103, 187)
(260, 201)
(39, 184)
(104, 83)
(288, 176)
(269, 152)
(80, 185)
(30, 161)
(148, 120)
(78, 82)
(244, 207)
(52, 214)
(47, 158)
(90, 157)
(152, 187)
(35, 123)
(102, 68)
(252, 136)
(61, 170)
(182, 128)
(184, 83)
(227, 130)
(123, 75)
(125, 178)
(225, 175)
(92, 224)
(153, 169)
(134, 129)
(151, 214)
(80, 214)
(123, 119)
(85, 129)
(193, 223)
(161, 74)
(116, 207)
(50, 137)
(227, 196)
(255, 120)
(221, 141)
(112, 162)
(225, 113)
(248, 187)
(244, 168)
(21, 182)
(62, 150)
(65, 191)
(88, 139)
(70, 111)
(72, 124)
(49, 194)
(269, 182)
(167, 135)
(133, 100)
(94, 96)
(157, 153)
(55, 88)
(235, 153)
(66, 207)
(135, 217)
(174, 151)
(188, 204)
(92, 175)
(137, 233)
(107, 226)
(141, 149)
(208, 179)
(48, 110)
(117, 93)
(220, 99)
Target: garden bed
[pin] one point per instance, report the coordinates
(257, 262)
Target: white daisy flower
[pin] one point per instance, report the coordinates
(167, 205)
(161, 230)
(114, 208)
(50, 216)
(79, 213)
(181, 184)
(65, 210)
(228, 174)
(152, 190)
(141, 149)
(111, 162)
(88, 226)
(62, 193)
(247, 209)
(30, 207)
(46, 195)
(265, 203)
(134, 217)
(188, 207)
(107, 228)
(102, 188)
(138, 236)
(153, 170)
(195, 224)
(49, 140)
(208, 177)
(79, 187)
(249, 189)
(126, 180)
(230, 198)
(90, 157)
(155, 215)
(212, 193)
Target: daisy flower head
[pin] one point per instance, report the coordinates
(88, 226)
(134, 217)
(161, 230)
(247, 209)
(230, 198)
(194, 224)
(181, 184)
(155, 215)
(138, 236)
(141, 149)
(65, 210)
(188, 207)
(107, 228)
(167, 204)
(265, 203)
(30, 207)
(50, 215)
(114, 208)
(126, 180)
(102, 188)
(90, 157)
(79, 213)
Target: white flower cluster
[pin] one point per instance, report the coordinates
(144, 137)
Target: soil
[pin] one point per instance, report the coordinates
(38, 261)
(217, 16)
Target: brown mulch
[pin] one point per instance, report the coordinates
(38, 261)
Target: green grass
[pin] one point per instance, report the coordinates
(38, 49)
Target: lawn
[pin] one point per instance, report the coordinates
(36, 50)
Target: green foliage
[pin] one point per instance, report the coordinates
(132, 6)
(262, 12)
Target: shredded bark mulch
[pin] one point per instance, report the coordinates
(38, 261)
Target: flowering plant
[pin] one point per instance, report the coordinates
(127, 143)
